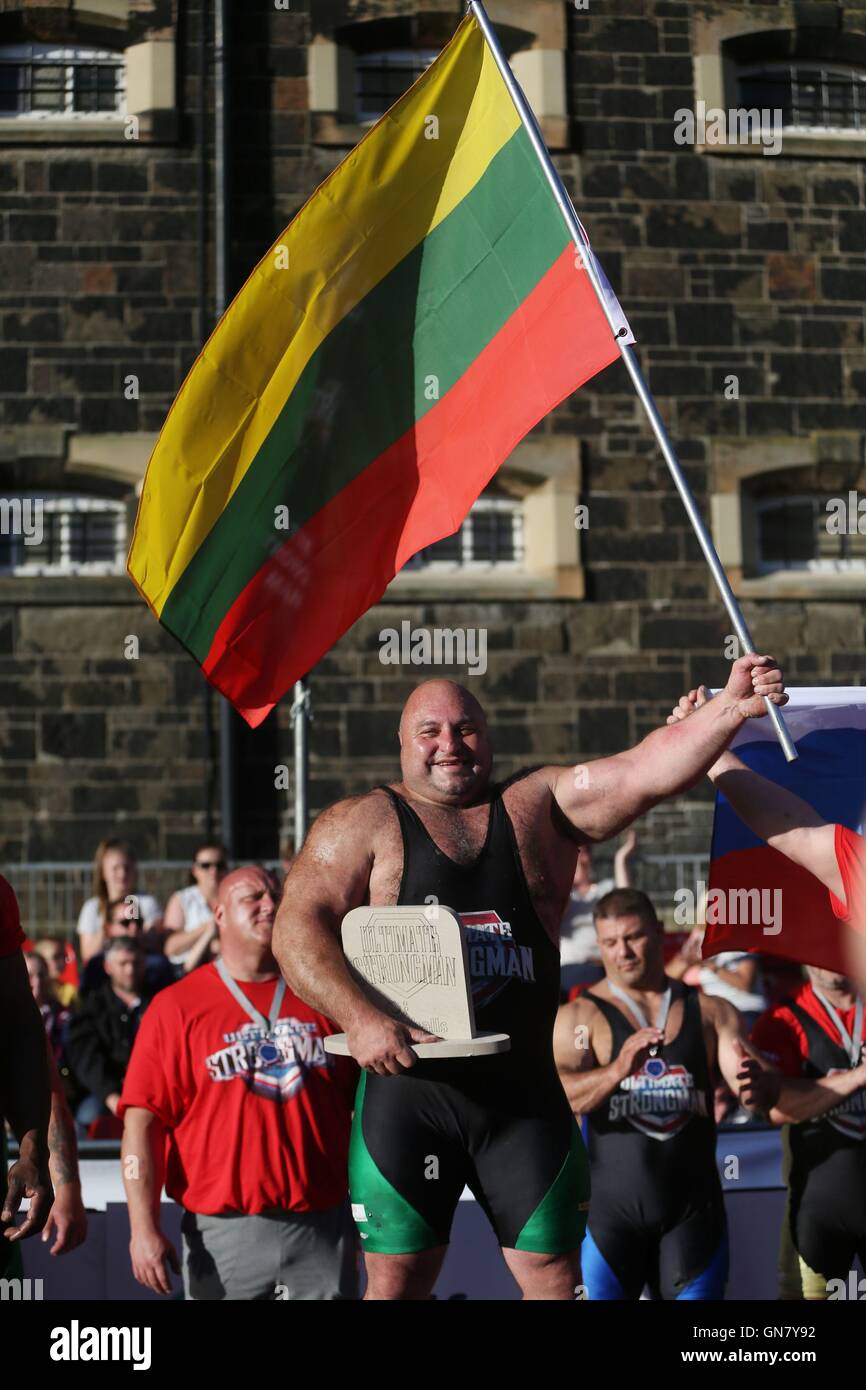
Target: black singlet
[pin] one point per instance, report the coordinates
(657, 1213)
(499, 1124)
(828, 1165)
(513, 964)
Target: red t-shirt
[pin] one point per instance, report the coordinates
(780, 1033)
(253, 1124)
(11, 935)
(851, 858)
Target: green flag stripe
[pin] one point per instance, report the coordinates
(388, 362)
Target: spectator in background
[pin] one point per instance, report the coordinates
(53, 952)
(579, 957)
(55, 1019)
(115, 871)
(25, 1092)
(124, 919)
(732, 975)
(54, 1016)
(189, 916)
(232, 1100)
(736, 976)
(103, 1030)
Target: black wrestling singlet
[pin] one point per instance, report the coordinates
(828, 1165)
(500, 1124)
(513, 964)
(657, 1214)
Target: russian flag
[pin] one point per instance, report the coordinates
(829, 729)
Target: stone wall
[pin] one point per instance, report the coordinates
(92, 742)
(751, 265)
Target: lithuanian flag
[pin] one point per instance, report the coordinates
(417, 317)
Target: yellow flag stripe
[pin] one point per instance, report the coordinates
(404, 178)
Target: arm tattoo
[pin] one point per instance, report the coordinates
(62, 1148)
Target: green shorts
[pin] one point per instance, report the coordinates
(417, 1143)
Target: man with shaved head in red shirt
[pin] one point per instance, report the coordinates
(231, 1100)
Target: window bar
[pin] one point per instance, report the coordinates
(63, 549)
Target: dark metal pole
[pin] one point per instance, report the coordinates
(222, 244)
(204, 325)
(300, 719)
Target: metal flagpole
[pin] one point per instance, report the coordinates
(300, 715)
(476, 8)
(222, 249)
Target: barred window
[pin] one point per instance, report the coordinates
(382, 78)
(40, 79)
(491, 535)
(809, 95)
(802, 533)
(62, 535)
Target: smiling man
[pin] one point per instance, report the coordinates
(503, 857)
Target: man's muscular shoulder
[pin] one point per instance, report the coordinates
(347, 828)
(349, 822)
(529, 796)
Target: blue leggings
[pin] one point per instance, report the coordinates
(657, 1262)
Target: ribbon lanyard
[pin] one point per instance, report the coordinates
(234, 988)
(638, 1014)
(850, 1044)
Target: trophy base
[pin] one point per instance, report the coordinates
(481, 1046)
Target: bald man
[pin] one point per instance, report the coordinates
(503, 857)
(231, 1100)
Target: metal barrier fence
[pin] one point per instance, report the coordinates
(51, 893)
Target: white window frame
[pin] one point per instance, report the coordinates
(467, 563)
(715, 70)
(382, 56)
(68, 504)
(68, 56)
(825, 565)
(854, 132)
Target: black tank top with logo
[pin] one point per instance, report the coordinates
(513, 964)
(652, 1143)
(829, 1152)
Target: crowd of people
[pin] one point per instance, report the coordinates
(297, 1163)
(130, 948)
(199, 1033)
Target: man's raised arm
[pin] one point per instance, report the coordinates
(603, 797)
(330, 876)
(778, 817)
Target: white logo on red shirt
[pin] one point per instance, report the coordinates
(271, 1064)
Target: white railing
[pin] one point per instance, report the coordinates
(50, 894)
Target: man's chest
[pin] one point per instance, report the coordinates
(526, 843)
(694, 1045)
